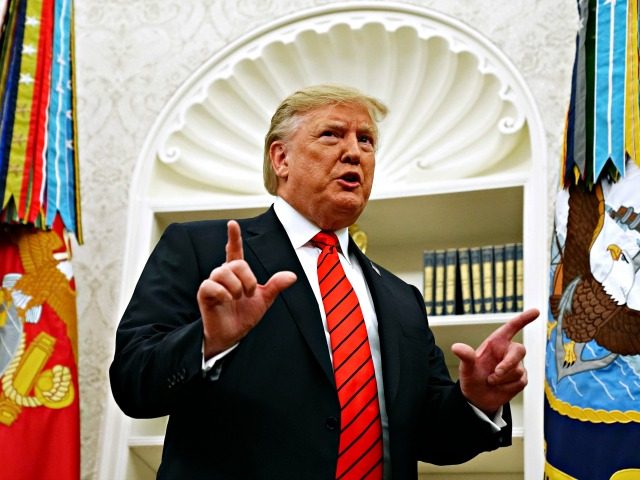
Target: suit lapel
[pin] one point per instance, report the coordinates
(268, 243)
(388, 324)
(266, 238)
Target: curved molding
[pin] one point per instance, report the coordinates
(458, 108)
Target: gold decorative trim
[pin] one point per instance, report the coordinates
(553, 473)
(589, 414)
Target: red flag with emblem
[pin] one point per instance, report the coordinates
(39, 408)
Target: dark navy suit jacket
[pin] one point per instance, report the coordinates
(273, 412)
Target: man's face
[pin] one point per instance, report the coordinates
(325, 168)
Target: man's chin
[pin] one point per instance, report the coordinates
(331, 212)
(347, 211)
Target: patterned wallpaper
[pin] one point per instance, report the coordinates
(132, 56)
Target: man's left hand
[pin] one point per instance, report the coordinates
(493, 374)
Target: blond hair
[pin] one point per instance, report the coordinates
(286, 117)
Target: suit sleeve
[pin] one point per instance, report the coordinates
(157, 361)
(453, 432)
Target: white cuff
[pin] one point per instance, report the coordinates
(208, 364)
(497, 422)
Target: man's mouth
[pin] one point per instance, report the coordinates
(351, 179)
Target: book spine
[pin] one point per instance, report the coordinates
(475, 256)
(429, 258)
(510, 277)
(487, 279)
(519, 277)
(464, 265)
(439, 285)
(498, 265)
(451, 262)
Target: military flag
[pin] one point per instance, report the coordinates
(39, 213)
(592, 365)
(39, 176)
(39, 407)
(603, 120)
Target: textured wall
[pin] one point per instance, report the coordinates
(132, 56)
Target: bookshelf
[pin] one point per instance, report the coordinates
(418, 201)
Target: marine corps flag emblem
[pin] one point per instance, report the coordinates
(39, 408)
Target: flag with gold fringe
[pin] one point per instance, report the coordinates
(592, 365)
(39, 213)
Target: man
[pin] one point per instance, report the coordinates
(291, 355)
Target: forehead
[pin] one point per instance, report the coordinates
(348, 114)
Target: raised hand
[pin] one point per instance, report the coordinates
(493, 374)
(231, 301)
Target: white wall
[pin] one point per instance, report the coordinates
(130, 58)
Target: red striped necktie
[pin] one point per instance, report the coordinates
(360, 452)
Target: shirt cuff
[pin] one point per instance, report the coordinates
(496, 423)
(213, 362)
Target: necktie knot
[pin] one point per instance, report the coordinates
(324, 239)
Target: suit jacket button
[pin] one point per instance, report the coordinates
(331, 423)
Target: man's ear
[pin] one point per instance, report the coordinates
(279, 159)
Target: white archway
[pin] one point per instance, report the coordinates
(462, 119)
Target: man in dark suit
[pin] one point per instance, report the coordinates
(238, 347)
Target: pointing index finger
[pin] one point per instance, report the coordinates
(513, 326)
(234, 242)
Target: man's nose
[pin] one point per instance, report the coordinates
(351, 153)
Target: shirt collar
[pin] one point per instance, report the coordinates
(301, 230)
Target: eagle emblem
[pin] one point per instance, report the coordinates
(596, 289)
(26, 380)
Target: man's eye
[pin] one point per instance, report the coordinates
(365, 139)
(327, 133)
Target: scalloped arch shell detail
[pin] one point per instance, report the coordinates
(458, 108)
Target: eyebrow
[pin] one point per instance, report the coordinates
(338, 125)
(368, 130)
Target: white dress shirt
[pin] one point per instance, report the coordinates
(300, 232)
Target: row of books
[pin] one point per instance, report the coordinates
(485, 279)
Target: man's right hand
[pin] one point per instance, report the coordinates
(231, 301)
